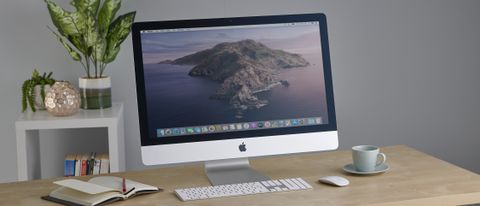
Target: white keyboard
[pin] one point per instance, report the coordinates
(249, 188)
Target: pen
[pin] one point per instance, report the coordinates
(124, 187)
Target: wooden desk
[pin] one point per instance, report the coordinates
(413, 178)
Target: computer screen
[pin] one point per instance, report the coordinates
(243, 78)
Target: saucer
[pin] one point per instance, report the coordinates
(379, 169)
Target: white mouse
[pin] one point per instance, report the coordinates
(334, 180)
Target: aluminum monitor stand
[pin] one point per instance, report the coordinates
(232, 171)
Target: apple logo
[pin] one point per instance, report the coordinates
(242, 147)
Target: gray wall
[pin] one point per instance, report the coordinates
(405, 72)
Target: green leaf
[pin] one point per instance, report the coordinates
(91, 39)
(35, 74)
(117, 33)
(67, 23)
(74, 54)
(88, 7)
(91, 33)
(106, 15)
(77, 42)
(111, 55)
(31, 95)
(25, 95)
(42, 91)
(87, 10)
(99, 49)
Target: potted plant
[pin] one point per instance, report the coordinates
(33, 90)
(92, 36)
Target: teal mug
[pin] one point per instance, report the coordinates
(367, 157)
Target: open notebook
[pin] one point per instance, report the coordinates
(97, 191)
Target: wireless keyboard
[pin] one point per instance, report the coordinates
(249, 188)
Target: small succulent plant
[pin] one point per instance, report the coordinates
(28, 89)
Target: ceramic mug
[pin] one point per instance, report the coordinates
(367, 157)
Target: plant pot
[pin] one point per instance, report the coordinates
(95, 93)
(38, 100)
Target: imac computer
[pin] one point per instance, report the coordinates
(222, 90)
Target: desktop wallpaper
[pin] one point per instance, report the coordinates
(231, 75)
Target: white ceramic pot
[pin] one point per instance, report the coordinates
(38, 100)
(95, 93)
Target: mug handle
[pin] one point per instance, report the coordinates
(384, 158)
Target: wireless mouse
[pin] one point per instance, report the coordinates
(334, 180)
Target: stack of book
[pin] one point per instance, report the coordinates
(86, 164)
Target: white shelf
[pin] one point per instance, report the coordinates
(29, 123)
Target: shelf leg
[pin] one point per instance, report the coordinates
(28, 154)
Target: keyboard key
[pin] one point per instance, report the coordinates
(304, 183)
(287, 184)
(277, 182)
(294, 186)
(265, 183)
(271, 183)
(299, 184)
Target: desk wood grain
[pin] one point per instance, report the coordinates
(412, 175)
